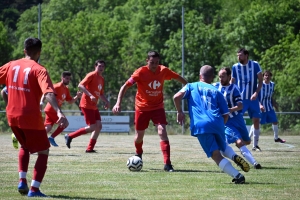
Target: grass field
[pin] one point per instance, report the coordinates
(73, 174)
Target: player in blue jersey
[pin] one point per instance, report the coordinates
(208, 112)
(235, 128)
(267, 103)
(4, 95)
(247, 75)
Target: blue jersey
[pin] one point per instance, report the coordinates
(246, 77)
(265, 95)
(232, 96)
(206, 106)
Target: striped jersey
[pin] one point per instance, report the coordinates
(232, 96)
(246, 77)
(265, 95)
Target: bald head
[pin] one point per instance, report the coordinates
(207, 74)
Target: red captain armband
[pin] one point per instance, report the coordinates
(130, 82)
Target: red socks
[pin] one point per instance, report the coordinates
(40, 167)
(165, 148)
(23, 159)
(77, 133)
(138, 148)
(91, 144)
(57, 132)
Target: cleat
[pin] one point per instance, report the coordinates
(168, 168)
(68, 141)
(257, 166)
(239, 179)
(23, 188)
(52, 141)
(241, 163)
(256, 148)
(279, 140)
(15, 142)
(139, 155)
(36, 194)
(90, 151)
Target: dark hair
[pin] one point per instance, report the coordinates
(227, 69)
(99, 62)
(244, 51)
(32, 46)
(153, 54)
(66, 73)
(267, 72)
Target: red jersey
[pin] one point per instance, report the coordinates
(26, 81)
(62, 94)
(150, 85)
(94, 83)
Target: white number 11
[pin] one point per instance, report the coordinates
(26, 71)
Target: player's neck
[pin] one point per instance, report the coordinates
(30, 58)
(245, 62)
(267, 82)
(152, 69)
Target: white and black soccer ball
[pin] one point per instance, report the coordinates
(135, 163)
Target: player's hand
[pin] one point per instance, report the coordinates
(93, 99)
(116, 109)
(106, 105)
(262, 108)
(62, 120)
(79, 94)
(254, 96)
(180, 118)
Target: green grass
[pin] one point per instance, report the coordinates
(73, 174)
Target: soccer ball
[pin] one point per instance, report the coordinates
(134, 163)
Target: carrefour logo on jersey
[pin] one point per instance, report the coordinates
(63, 96)
(154, 85)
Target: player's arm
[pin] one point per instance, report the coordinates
(238, 107)
(225, 117)
(4, 95)
(259, 86)
(62, 120)
(181, 80)
(78, 95)
(274, 103)
(85, 91)
(177, 98)
(123, 89)
(105, 100)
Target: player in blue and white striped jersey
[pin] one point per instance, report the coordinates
(247, 75)
(267, 103)
(235, 128)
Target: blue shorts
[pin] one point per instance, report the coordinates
(211, 142)
(268, 117)
(252, 107)
(235, 129)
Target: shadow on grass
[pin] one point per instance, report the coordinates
(279, 168)
(186, 171)
(83, 198)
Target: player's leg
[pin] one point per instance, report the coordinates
(272, 118)
(50, 119)
(141, 122)
(255, 115)
(95, 133)
(211, 147)
(23, 160)
(42, 148)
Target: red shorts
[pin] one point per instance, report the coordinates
(33, 140)
(142, 118)
(50, 118)
(91, 116)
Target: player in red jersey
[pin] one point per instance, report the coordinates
(62, 95)
(149, 103)
(92, 87)
(26, 81)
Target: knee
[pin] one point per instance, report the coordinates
(45, 152)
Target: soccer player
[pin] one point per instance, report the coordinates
(149, 103)
(92, 87)
(235, 128)
(267, 103)
(208, 113)
(4, 95)
(26, 81)
(247, 75)
(62, 94)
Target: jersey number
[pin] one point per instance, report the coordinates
(26, 71)
(207, 101)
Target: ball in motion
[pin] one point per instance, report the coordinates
(135, 163)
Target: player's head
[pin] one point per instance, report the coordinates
(32, 48)
(243, 55)
(206, 74)
(153, 59)
(99, 66)
(267, 75)
(66, 77)
(225, 76)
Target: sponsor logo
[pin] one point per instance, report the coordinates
(154, 85)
